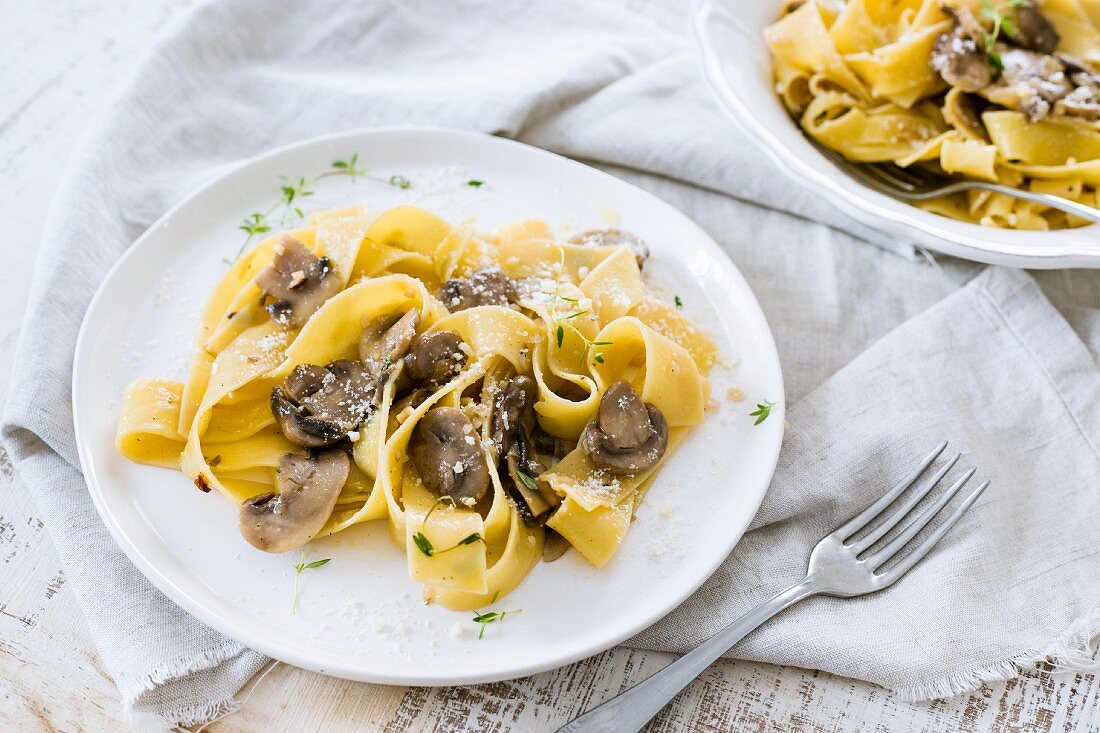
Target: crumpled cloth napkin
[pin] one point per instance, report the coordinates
(884, 356)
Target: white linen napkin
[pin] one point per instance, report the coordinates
(994, 366)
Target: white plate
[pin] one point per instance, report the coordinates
(738, 67)
(360, 617)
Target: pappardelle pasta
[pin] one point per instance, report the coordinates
(1005, 91)
(493, 397)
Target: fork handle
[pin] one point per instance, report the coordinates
(630, 710)
(1046, 199)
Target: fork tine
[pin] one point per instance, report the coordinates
(922, 549)
(877, 173)
(890, 549)
(880, 531)
(860, 520)
(912, 176)
(889, 174)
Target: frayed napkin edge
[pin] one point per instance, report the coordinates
(185, 714)
(1073, 651)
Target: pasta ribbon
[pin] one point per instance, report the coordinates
(371, 381)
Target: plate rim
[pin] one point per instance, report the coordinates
(876, 210)
(270, 648)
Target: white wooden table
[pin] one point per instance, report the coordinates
(57, 60)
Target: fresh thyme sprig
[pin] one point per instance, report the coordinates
(528, 481)
(425, 545)
(490, 617)
(762, 411)
(293, 190)
(561, 321)
(303, 565)
(679, 303)
(1002, 23)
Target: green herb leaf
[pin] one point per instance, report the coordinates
(423, 544)
(571, 316)
(491, 617)
(561, 335)
(303, 565)
(762, 411)
(679, 303)
(995, 61)
(473, 183)
(471, 539)
(602, 343)
(598, 357)
(527, 481)
(400, 181)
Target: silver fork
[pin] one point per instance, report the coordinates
(917, 184)
(835, 569)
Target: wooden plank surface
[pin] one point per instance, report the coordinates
(56, 60)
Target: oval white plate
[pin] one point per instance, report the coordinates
(737, 66)
(360, 617)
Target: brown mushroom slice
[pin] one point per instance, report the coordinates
(308, 486)
(449, 460)
(533, 501)
(628, 435)
(613, 238)
(345, 395)
(304, 380)
(512, 404)
(958, 60)
(487, 286)
(299, 282)
(1030, 28)
(435, 358)
(385, 341)
(551, 445)
(1030, 82)
(553, 546)
(299, 427)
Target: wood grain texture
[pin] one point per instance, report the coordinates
(56, 61)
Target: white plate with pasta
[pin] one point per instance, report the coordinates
(386, 405)
(916, 84)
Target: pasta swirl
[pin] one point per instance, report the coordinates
(450, 383)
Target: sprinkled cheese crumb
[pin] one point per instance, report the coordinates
(735, 394)
(457, 630)
(667, 509)
(353, 435)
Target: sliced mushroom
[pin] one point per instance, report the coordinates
(1030, 28)
(958, 60)
(487, 286)
(305, 380)
(344, 397)
(299, 427)
(384, 342)
(433, 359)
(1030, 82)
(533, 501)
(613, 238)
(449, 460)
(628, 435)
(551, 445)
(299, 281)
(554, 546)
(510, 408)
(308, 486)
(321, 404)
